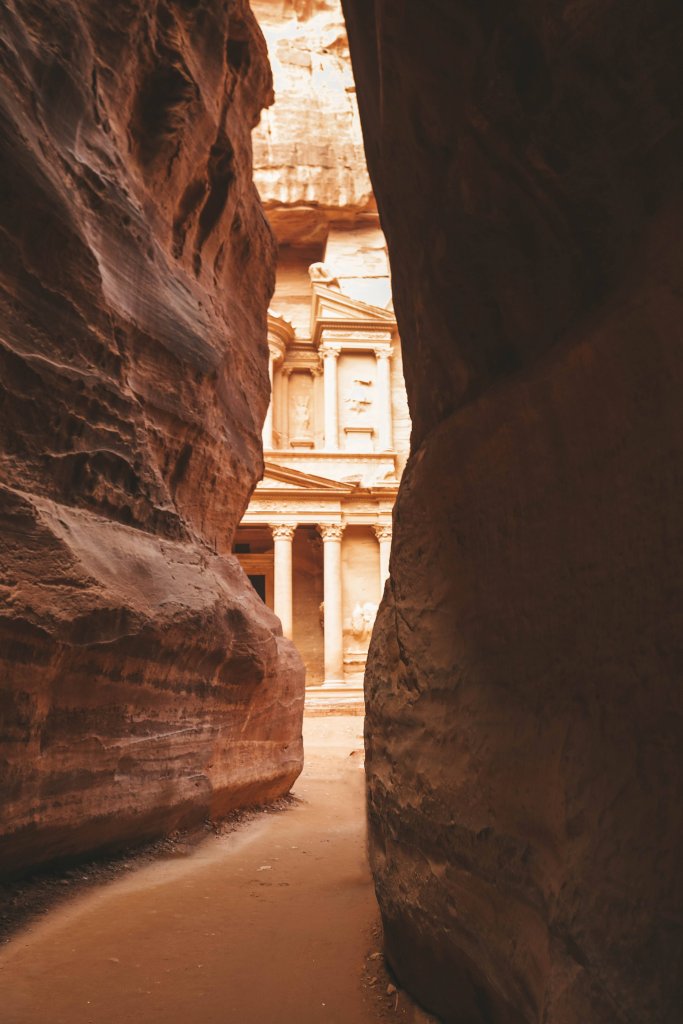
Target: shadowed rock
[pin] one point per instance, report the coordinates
(524, 708)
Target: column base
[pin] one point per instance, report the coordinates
(334, 682)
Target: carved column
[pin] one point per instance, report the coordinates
(285, 374)
(330, 355)
(318, 412)
(283, 534)
(383, 534)
(273, 354)
(331, 534)
(385, 426)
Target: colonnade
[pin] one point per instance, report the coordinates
(329, 354)
(331, 533)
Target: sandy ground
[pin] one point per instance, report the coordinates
(273, 924)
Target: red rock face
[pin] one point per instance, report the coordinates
(524, 710)
(142, 682)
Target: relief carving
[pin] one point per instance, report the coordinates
(283, 531)
(382, 531)
(320, 273)
(331, 531)
(362, 620)
(301, 415)
(359, 399)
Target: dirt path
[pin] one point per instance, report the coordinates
(274, 924)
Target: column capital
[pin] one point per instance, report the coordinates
(275, 352)
(382, 531)
(283, 531)
(331, 531)
(384, 353)
(328, 351)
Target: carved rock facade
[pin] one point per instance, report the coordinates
(524, 706)
(143, 685)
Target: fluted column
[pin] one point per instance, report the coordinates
(283, 534)
(331, 534)
(385, 425)
(383, 534)
(330, 355)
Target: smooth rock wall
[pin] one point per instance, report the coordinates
(142, 684)
(524, 716)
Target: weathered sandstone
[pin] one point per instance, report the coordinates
(142, 684)
(309, 164)
(524, 703)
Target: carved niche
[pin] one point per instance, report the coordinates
(300, 410)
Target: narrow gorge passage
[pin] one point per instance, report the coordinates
(276, 922)
(340, 362)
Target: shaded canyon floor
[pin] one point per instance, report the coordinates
(275, 922)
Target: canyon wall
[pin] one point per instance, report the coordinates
(523, 729)
(143, 685)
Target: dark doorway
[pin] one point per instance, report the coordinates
(259, 585)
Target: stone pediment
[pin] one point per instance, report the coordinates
(332, 306)
(283, 480)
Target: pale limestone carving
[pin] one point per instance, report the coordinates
(331, 531)
(320, 273)
(363, 619)
(329, 320)
(302, 415)
(359, 400)
(382, 531)
(283, 531)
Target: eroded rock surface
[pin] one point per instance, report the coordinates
(142, 682)
(524, 705)
(309, 163)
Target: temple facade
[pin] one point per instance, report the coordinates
(316, 536)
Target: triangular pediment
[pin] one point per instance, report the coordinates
(331, 304)
(282, 479)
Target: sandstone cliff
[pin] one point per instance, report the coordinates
(524, 705)
(142, 683)
(309, 163)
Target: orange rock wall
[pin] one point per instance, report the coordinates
(524, 705)
(141, 683)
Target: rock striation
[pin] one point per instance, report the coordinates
(142, 683)
(523, 729)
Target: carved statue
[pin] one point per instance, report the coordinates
(321, 273)
(359, 399)
(363, 619)
(302, 414)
